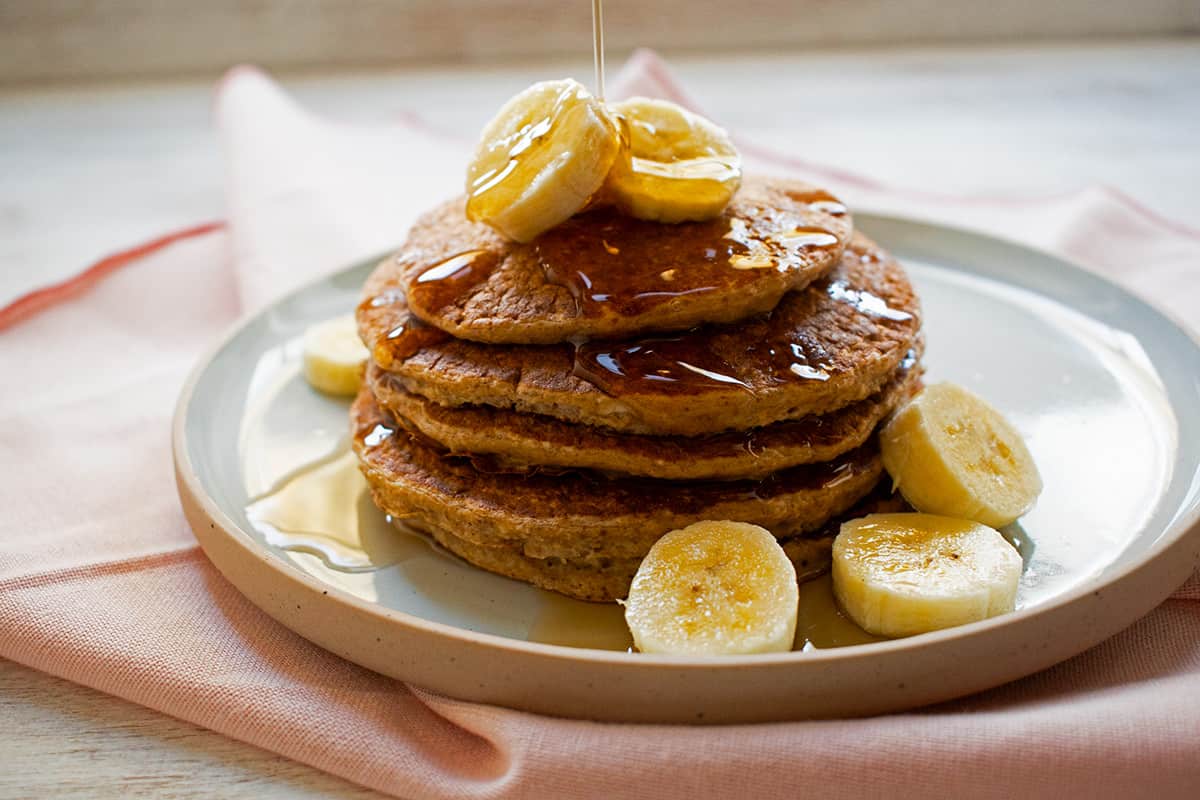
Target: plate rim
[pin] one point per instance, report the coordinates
(196, 500)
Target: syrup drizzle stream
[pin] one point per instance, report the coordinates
(598, 46)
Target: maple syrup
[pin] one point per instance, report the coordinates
(574, 623)
(810, 237)
(407, 339)
(821, 623)
(668, 364)
(866, 302)
(450, 279)
(325, 509)
(410, 335)
(598, 46)
(388, 297)
(699, 360)
(515, 146)
(820, 200)
(615, 264)
(718, 169)
(689, 362)
(789, 352)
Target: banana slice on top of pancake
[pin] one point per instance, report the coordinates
(541, 159)
(676, 166)
(554, 148)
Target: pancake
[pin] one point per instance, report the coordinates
(603, 274)
(522, 440)
(579, 515)
(835, 343)
(607, 579)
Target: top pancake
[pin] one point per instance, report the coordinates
(604, 274)
(832, 344)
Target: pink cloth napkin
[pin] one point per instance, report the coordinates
(102, 583)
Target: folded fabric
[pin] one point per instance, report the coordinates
(101, 581)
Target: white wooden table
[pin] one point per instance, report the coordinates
(87, 171)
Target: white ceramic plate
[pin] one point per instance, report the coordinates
(1104, 387)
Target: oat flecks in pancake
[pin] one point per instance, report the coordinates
(855, 326)
(643, 276)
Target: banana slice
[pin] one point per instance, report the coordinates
(903, 574)
(951, 453)
(678, 166)
(712, 589)
(540, 160)
(334, 356)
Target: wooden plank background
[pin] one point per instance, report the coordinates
(54, 40)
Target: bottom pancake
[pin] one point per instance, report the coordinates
(578, 516)
(607, 579)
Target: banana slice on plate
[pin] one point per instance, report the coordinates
(903, 574)
(951, 453)
(677, 166)
(540, 159)
(714, 589)
(334, 356)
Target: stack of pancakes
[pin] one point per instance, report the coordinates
(548, 410)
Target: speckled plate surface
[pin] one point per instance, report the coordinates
(1104, 387)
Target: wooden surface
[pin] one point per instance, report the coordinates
(67, 39)
(90, 170)
(61, 740)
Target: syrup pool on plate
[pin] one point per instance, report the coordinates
(325, 509)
